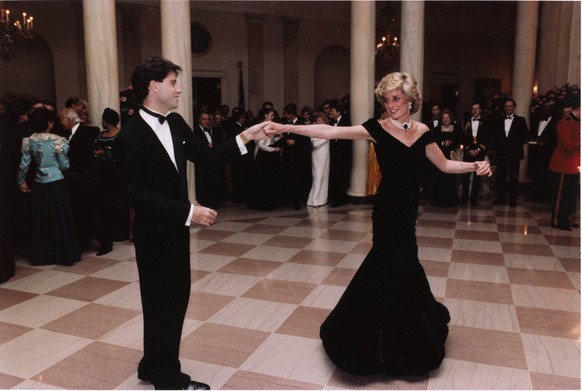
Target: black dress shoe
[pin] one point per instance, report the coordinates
(194, 385)
(103, 251)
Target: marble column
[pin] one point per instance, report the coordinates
(363, 30)
(255, 44)
(412, 43)
(101, 57)
(291, 59)
(548, 47)
(177, 47)
(524, 56)
(131, 33)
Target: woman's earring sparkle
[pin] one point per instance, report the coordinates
(410, 106)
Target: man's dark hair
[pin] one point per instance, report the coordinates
(153, 68)
(335, 104)
(510, 100)
(291, 108)
(72, 101)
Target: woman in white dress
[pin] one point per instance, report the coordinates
(319, 168)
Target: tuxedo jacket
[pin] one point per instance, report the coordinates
(200, 134)
(471, 143)
(548, 137)
(82, 148)
(153, 186)
(510, 147)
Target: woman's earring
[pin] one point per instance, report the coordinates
(409, 106)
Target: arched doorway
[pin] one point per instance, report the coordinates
(29, 72)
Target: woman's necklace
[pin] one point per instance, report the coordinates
(404, 125)
(448, 128)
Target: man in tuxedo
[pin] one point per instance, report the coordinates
(210, 181)
(295, 160)
(151, 152)
(509, 135)
(340, 163)
(541, 144)
(80, 176)
(475, 148)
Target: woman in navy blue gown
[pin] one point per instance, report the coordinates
(387, 320)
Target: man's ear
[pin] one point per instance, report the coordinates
(153, 86)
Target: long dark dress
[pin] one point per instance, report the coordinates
(388, 321)
(444, 186)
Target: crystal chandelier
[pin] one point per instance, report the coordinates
(14, 34)
(388, 46)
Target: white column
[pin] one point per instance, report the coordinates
(363, 29)
(412, 43)
(177, 47)
(101, 57)
(524, 55)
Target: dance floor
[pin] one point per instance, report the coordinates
(262, 283)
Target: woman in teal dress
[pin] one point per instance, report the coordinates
(388, 321)
(53, 235)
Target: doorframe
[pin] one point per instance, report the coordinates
(222, 75)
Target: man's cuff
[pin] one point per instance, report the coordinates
(241, 145)
(189, 221)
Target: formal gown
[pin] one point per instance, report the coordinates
(388, 321)
(265, 192)
(53, 234)
(319, 172)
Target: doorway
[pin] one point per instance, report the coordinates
(206, 92)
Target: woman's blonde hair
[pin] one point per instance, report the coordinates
(400, 81)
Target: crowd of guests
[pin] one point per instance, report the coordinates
(59, 192)
(501, 138)
(67, 185)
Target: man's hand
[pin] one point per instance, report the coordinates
(273, 128)
(204, 216)
(256, 132)
(483, 168)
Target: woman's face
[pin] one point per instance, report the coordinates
(269, 116)
(396, 105)
(446, 119)
(306, 116)
(319, 120)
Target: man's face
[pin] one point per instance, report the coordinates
(334, 113)
(435, 111)
(217, 119)
(167, 92)
(68, 124)
(476, 111)
(326, 110)
(205, 120)
(509, 107)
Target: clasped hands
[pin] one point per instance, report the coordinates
(482, 168)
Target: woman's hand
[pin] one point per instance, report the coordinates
(483, 168)
(274, 128)
(24, 187)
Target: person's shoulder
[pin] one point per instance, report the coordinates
(421, 127)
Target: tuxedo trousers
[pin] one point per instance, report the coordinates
(163, 261)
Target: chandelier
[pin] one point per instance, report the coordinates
(14, 34)
(388, 46)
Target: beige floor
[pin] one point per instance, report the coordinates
(264, 282)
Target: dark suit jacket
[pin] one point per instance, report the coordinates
(82, 148)
(471, 143)
(541, 147)
(510, 147)
(152, 185)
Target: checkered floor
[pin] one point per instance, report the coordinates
(264, 282)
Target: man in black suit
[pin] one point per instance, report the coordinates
(509, 135)
(340, 163)
(151, 152)
(542, 141)
(295, 160)
(80, 176)
(210, 181)
(475, 148)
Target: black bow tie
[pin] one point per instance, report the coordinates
(509, 117)
(475, 119)
(160, 117)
